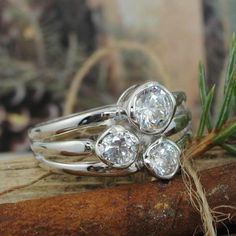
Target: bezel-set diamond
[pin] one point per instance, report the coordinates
(117, 147)
(151, 108)
(162, 158)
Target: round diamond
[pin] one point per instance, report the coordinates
(118, 147)
(153, 107)
(162, 158)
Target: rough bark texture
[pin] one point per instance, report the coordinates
(157, 208)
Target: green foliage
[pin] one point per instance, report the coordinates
(203, 93)
(225, 133)
(229, 87)
(205, 117)
(231, 63)
(224, 128)
(230, 148)
(225, 109)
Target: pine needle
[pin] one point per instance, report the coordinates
(229, 87)
(203, 93)
(205, 112)
(230, 148)
(225, 133)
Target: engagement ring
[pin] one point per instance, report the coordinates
(147, 128)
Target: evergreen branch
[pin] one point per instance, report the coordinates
(224, 130)
(225, 133)
(205, 113)
(198, 147)
(203, 93)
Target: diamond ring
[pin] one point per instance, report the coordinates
(118, 151)
(120, 139)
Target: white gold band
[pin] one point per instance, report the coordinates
(123, 137)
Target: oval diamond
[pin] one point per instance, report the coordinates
(117, 147)
(152, 107)
(162, 158)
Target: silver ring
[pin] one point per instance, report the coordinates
(119, 139)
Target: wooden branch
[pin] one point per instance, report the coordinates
(154, 208)
(20, 170)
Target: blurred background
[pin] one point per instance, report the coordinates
(44, 44)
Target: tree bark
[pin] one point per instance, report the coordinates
(154, 208)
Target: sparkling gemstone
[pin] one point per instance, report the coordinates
(162, 158)
(153, 108)
(118, 147)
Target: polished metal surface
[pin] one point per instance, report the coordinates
(67, 144)
(106, 115)
(88, 168)
(93, 122)
(68, 148)
(89, 164)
